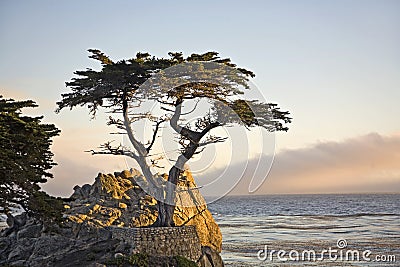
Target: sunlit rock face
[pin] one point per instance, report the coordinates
(119, 200)
(191, 209)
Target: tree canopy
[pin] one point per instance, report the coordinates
(121, 87)
(25, 158)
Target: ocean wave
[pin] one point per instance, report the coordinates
(311, 227)
(327, 216)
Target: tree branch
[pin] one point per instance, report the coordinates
(209, 127)
(194, 108)
(108, 149)
(119, 152)
(140, 148)
(158, 123)
(213, 141)
(184, 131)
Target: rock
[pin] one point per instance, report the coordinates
(118, 255)
(81, 192)
(20, 219)
(30, 231)
(112, 186)
(123, 247)
(19, 263)
(96, 265)
(10, 220)
(192, 210)
(22, 250)
(47, 246)
(210, 258)
(14, 223)
(138, 209)
(128, 174)
(204, 261)
(4, 246)
(135, 172)
(85, 190)
(112, 201)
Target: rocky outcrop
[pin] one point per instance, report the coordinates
(191, 209)
(70, 245)
(113, 201)
(117, 199)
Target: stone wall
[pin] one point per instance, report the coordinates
(161, 241)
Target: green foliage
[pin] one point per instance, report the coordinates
(118, 82)
(139, 260)
(114, 84)
(25, 159)
(90, 257)
(250, 113)
(46, 207)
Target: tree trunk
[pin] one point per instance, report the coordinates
(166, 216)
(173, 178)
(156, 192)
(166, 208)
(154, 189)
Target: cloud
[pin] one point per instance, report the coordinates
(67, 174)
(369, 163)
(75, 167)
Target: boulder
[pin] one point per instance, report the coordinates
(191, 209)
(30, 231)
(5, 244)
(81, 192)
(22, 250)
(210, 258)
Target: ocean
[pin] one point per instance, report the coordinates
(357, 230)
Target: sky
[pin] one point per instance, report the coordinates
(333, 64)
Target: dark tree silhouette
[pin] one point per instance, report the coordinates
(25, 159)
